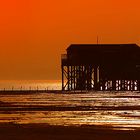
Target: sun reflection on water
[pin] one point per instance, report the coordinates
(116, 110)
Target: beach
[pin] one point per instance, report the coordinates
(65, 115)
(42, 132)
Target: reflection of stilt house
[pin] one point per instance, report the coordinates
(101, 67)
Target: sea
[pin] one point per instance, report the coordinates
(30, 84)
(116, 110)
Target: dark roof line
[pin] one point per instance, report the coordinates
(102, 45)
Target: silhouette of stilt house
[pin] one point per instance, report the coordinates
(101, 67)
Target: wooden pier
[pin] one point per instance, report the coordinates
(113, 67)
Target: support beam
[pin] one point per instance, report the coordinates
(95, 78)
(114, 85)
(62, 69)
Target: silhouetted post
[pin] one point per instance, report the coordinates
(133, 83)
(95, 78)
(113, 84)
(21, 88)
(12, 88)
(138, 85)
(102, 78)
(74, 78)
(68, 77)
(123, 85)
(71, 77)
(62, 67)
(129, 85)
(103, 84)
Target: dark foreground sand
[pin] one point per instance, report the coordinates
(44, 132)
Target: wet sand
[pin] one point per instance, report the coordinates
(18, 106)
(44, 132)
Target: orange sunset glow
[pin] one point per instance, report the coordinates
(34, 33)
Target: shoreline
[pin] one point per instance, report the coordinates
(28, 91)
(24, 92)
(57, 92)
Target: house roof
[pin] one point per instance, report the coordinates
(92, 47)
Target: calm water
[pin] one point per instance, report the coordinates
(116, 110)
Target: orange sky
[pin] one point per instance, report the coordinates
(34, 33)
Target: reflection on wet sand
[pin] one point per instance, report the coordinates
(116, 110)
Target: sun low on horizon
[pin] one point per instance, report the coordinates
(34, 33)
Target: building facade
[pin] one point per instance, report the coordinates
(101, 67)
